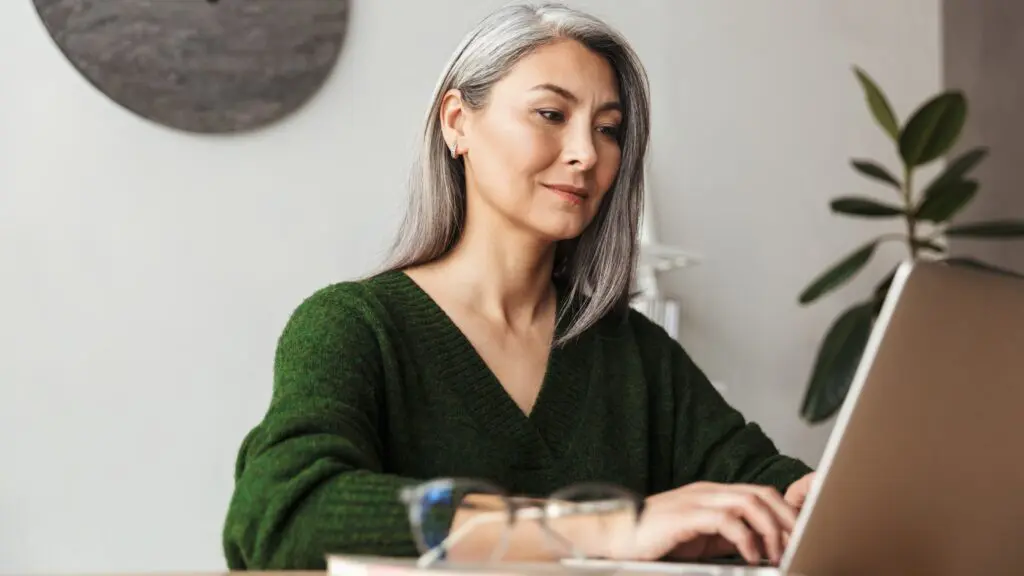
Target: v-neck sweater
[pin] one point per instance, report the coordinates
(375, 388)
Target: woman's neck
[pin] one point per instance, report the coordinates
(501, 272)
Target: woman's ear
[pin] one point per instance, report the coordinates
(453, 115)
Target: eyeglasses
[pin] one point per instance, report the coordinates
(437, 506)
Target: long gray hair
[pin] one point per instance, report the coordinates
(597, 267)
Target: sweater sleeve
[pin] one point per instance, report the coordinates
(308, 479)
(714, 442)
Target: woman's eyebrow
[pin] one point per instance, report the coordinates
(568, 95)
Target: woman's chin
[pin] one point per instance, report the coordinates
(561, 230)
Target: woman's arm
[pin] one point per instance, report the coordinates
(308, 478)
(714, 442)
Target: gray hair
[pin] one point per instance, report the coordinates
(599, 265)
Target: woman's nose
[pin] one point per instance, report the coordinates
(579, 150)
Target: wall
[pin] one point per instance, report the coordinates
(983, 45)
(147, 273)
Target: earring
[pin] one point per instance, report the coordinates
(455, 147)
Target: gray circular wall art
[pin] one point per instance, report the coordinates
(207, 66)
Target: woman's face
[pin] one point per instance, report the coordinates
(544, 149)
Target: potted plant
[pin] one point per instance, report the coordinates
(927, 213)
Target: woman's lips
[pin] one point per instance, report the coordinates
(573, 194)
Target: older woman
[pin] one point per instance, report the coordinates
(498, 343)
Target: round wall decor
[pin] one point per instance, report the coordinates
(208, 66)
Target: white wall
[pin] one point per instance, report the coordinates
(147, 273)
(983, 43)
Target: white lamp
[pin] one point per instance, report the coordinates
(656, 258)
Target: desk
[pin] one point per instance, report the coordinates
(241, 573)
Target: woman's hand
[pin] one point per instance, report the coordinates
(796, 494)
(707, 520)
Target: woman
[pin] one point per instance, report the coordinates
(499, 344)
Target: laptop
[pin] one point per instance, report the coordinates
(923, 472)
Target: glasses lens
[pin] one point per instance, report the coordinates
(442, 506)
(583, 519)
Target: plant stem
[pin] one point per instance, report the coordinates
(895, 236)
(908, 196)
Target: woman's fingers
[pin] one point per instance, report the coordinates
(784, 511)
(720, 522)
(763, 508)
(711, 518)
(760, 516)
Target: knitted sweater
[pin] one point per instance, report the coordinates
(375, 388)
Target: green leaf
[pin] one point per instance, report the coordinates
(946, 201)
(883, 287)
(957, 169)
(877, 171)
(839, 273)
(969, 262)
(878, 104)
(933, 128)
(989, 229)
(837, 360)
(857, 206)
(882, 290)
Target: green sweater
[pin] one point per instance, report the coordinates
(376, 388)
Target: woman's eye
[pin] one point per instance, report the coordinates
(610, 131)
(552, 115)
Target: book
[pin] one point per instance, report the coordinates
(341, 565)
